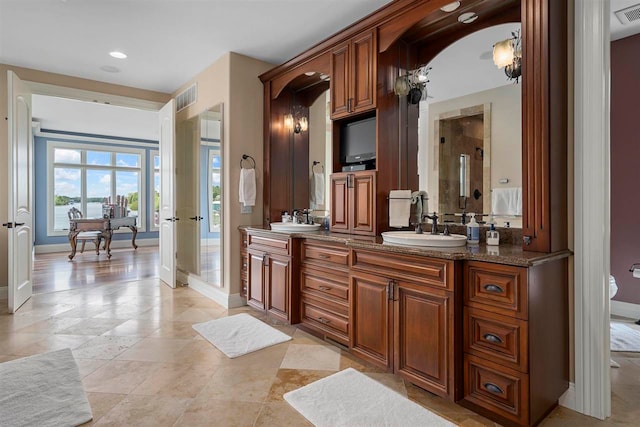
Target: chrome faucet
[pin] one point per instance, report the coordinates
(434, 226)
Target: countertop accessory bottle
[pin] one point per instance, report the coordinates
(493, 237)
(473, 231)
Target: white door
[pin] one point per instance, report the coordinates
(167, 195)
(20, 220)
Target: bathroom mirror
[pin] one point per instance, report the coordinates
(472, 110)
(300, 136)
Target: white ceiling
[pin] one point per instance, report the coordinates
(167, 41)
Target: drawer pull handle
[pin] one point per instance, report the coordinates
(493, 388)
(324, 288)
(494, 289)
(244, 265)
(324, 256)
(492, 338)
(323, 320)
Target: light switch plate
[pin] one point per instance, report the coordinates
(245, 209)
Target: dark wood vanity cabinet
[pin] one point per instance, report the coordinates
(324, 290)
(402, 317)
(353, 202)
(516, 335)
(353, 76)
(244, 263)
(270, 271)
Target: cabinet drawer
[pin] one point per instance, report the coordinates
(325, 254)
(497, 288)
(327, 285)
(431, 271)
(496, 337)
(269, 244)
(329, 322)
(500, 390)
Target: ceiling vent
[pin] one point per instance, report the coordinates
(187, 97)
(629, 14)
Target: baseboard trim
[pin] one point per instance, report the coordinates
(115, 244)
(568, 399)
(215, 294)
(625, 309)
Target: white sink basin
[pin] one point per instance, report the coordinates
(291, 227)
(410, 238)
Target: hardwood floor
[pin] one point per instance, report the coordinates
(54, 272)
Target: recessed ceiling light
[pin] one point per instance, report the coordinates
(118, 54)
(110, 69)
(450, 7)
(467, 17)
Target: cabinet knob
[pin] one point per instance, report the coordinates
(492, 338)
(493, 288)
(493, 388)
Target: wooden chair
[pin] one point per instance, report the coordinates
(93, 236)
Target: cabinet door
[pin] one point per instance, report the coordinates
(363, 213)
(278, 274)
(339, 84)
(371, 319)
(339, 202)
(256, 279)
(423, 337)
(363, 73)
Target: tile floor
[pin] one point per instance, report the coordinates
(142, 364)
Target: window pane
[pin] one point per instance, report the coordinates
(156, 199)
(64, 155)
(127, 160)
(98, 189)
(66, 187)
(214, 224)
(215, 162)
(101, 158)
(156, 162)
(127, 184)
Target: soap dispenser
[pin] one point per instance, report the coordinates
(473, 231)
(493, 237)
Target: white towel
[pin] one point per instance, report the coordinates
(399, 208)
(506, 201)
(317, 188)
(247, 187)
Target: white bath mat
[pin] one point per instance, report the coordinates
(349, 398)
(624, 337)
(43, 390)
(240, 334)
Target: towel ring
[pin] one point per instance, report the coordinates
(248, 158)
(315, 162)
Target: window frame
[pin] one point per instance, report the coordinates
(83, 166)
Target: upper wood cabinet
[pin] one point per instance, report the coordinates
(353, 206)
(353, 76)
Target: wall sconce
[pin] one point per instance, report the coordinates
(507, 54)
(296, 122)
(413, 84)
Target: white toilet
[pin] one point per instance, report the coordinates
(613, 290)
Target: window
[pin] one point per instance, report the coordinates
(215, 189)
(155, 194)
(87, 176)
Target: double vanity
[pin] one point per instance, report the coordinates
(483, 329)
(482, 326)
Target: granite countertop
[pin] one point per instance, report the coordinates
(508, 254)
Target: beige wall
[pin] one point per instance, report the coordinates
(58, 80)
(233, 81)
(319, 145)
